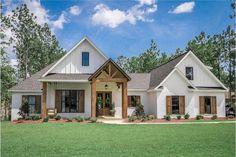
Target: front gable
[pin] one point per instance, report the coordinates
(202, 77)
(71, 63)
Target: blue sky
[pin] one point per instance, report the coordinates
(125, 27)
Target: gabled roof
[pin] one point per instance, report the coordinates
(31, 84)
(97, 72)
(162, 71)
(71, 50)
(139, 81)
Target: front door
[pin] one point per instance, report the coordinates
(103, 104)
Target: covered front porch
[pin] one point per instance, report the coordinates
(104, 93)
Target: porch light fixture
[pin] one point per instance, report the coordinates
(106, 86)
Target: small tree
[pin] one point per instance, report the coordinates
(24, 110)
(139, 110)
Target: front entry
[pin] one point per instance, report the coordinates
(104, 103)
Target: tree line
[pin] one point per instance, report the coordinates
(217, 51)
(34, 46)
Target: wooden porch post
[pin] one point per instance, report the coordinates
(44, 100)
(124, 99)
(93, 98)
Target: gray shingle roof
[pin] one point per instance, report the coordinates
(32, 82)
(161, 72)
(139, 81)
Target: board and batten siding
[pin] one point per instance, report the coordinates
(200, 76)
(73, 62)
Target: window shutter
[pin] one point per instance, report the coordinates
(81, 101)
(38, 103)
(58, 100)
(213, 105)
(201, 104)
(129, 101)
(168, 104)
(181, 104)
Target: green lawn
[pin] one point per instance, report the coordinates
(74, 139)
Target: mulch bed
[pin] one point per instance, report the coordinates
(180, 120)
(49, 121)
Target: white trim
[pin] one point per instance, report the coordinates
(212, 91)
(71, 50)
(154, 90)
(45, 80)
(165, 79)
(182, 75)
(139, 90)
(25, 91)
(204, 66)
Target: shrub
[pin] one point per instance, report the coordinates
(178, 117)
(69, 119)
(198, 117)
(45, 119)
(132, 118)
(214, 117)
(79, 119)
(167, 117)
(139, 110)
(93, 120)
(28, 118)
(58, 117)
(35, 117)
(230, 116)
(145, 118)
(151, 117)
(88, 118)
(24, 110)
(186, 116)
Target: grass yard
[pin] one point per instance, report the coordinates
(90, 140)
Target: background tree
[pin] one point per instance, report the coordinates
(35, 46)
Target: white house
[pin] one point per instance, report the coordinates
(85, 82)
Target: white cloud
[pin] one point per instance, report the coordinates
(38, 10)
(186, 7)
(147, 2)
(75, 10)
(58, 24)
(114, 17)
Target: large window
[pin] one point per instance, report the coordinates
(189, 73)
(133, 100)
(85, 58)
(175, 104)
(71, 101)
(34, 102)
(207, 104)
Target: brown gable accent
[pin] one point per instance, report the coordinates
(110, 70)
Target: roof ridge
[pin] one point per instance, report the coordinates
(169, 60)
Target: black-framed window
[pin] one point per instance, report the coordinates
(133, 100)
(207, 104)
(85, 58)
(69, 101)
(32, 103)
(175, 104)
(189, 72)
